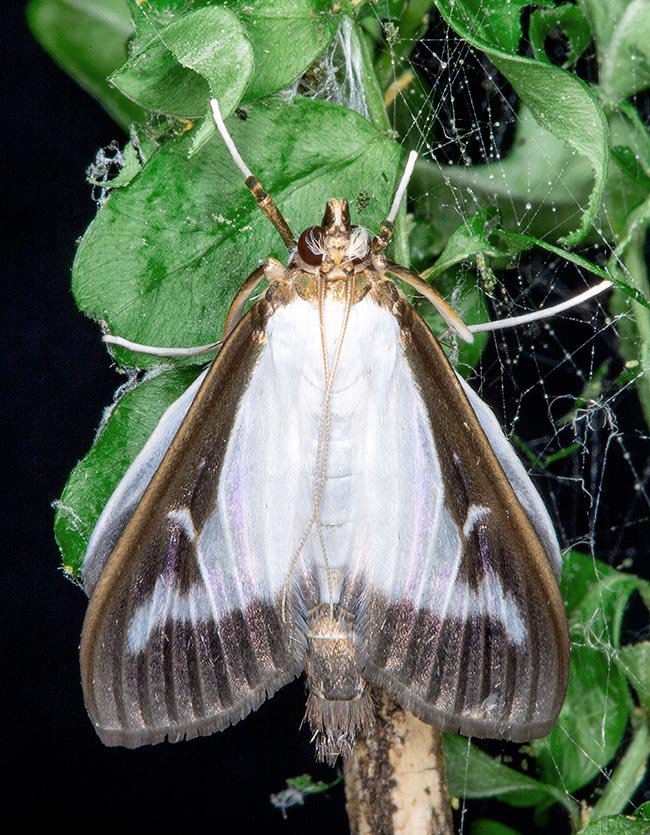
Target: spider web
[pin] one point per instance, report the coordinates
(562, 388)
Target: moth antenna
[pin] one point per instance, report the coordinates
(451, 318)
(154, 351)
(543, 313)
(264, 200)
(236, 309)
(228, 140)
(322, 449)
(322, 445)
(385, 233)
(401, 188)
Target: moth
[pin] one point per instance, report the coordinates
(329, 497)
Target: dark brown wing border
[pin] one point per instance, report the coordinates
(195, 675)
(465, 674)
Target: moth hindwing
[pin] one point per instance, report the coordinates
(329, 497)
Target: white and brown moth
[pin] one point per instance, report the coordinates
(328, 497)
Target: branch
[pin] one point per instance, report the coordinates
(395, 780)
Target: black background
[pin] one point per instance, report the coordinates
(58, 380)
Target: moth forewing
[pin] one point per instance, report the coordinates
(474, 639)
(330, 498)
(173, 645)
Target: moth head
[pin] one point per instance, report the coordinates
(336, 248)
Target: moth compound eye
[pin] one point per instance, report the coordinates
(310, 246)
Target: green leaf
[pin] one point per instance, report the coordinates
(630, 165)
(493, 22)
(123, 433)
(590, 586)
(580, 573)
(164, 257)
(461, 288)
(88, 39)
(570, 20)
(592, 722)
(535, 187)
(560, 102)
(180, 63)
(616, 825)
(483, 826)
(287, 36)
(473, 773)
(470, 239)
(629, 772)
(634, 330)
(470, 244)
(199, 55)
(625, 61)
(603, 18)
(625, 194)
(597, 707)
(306, 784)
(643, 811)
(634, 661)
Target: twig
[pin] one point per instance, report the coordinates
(395, 780)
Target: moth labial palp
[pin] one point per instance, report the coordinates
(329, 497)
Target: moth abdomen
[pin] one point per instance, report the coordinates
(339, 704)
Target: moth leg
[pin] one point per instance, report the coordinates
(272, 270)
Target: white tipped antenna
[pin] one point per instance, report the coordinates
(228, 141)
(403, 185)
(264, 200)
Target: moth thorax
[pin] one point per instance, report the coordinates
(339, 704)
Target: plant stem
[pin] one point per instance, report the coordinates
(395, 780)
(638, 276)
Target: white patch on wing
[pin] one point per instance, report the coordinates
(183, 517)
(516, 473)
(167, 602)
(475, 513)
(490, 600)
